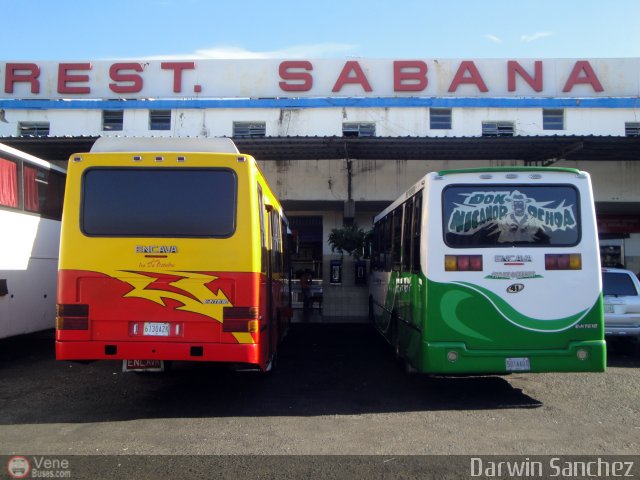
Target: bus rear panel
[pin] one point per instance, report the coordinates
(508, 277)
(162, 258)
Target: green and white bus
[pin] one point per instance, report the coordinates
(491, 270)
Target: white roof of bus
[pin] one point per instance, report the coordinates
(29, 158)
(415, 188)
(158, 144)
(473, 171)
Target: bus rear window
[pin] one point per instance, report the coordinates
(508, 215)
(167, 202)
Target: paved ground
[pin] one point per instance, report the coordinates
(337, 390)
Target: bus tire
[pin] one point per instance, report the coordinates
(409, 369)
(271, 365)
(395, 337)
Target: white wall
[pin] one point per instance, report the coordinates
(391, 122)
(385, 180)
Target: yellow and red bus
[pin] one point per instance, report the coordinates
(171, 249)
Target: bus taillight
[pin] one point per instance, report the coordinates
(463, 263)
(72, 317)
(563, 261)
(240, 319)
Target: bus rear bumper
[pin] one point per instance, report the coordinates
(455, 358)
(199, 352)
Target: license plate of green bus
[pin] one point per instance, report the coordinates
(155, 329)
(518, 364)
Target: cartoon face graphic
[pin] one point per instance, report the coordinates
(518, 202)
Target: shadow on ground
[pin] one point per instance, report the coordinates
(323, 369)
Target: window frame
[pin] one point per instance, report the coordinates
(550, 118)
(42, 129)
(112, 120)
(503, 128)
(254, 129)
(358, 129)
(632, 129)
(157, 120)
(440, 118)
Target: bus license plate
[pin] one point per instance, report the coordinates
(154, 329)
(143, 365)
(517, 364)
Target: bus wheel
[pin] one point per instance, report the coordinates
(271, 364)
(409, 369)
(395, 337)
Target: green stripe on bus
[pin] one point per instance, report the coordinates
(524, 321)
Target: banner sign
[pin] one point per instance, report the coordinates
(272, 78)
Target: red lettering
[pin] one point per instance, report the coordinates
(352, 67)
(583, 73)
(65, 78)
(12, 76)
(473, 77)
(177, 68)
(534, 82)
(304, 81)
(409, 76)
(135, 81)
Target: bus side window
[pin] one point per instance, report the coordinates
(284, 253)
(388, 220)
(263, 249)
(43, 192)
(406, 237)
(375, 247)
(276, 247)
(52, 203)
(397, 237)
(417, 231)
(9, 183)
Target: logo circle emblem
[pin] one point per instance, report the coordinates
(18, 467)
(515, 288)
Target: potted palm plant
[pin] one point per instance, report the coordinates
(352, 240)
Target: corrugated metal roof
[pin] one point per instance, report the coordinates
(541, 150)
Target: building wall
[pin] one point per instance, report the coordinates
(385, 180)
(390, 122)
(371, 180)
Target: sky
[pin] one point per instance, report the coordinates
(156, 29)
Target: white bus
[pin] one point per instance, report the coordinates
(491, 271)
(31, 194)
